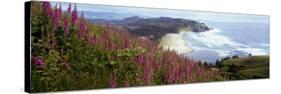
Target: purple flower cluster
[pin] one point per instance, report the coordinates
(151, 60)
(140, 59)
(92, 39)
(112, 81)
(127, 41)
(66, 25)
(53, 14)
(106, 34)
(48, 9)
(39, 63)
(56, 16)
(69, 8)
(74, 16)
(147, 77)
(83, 29)
(111, 44)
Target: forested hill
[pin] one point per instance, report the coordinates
(155, 28)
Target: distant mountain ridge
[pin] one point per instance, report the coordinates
(155, 28)
(105, 15)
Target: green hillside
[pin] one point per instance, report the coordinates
(251, 67)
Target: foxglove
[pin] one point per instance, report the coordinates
(56, 17)
(74, 16)
(112, 81)
(66, 26)
(47, 9)
(69, 8)
(39, 63)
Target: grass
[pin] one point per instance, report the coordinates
(252, 67)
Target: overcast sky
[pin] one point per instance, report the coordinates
(153, 12)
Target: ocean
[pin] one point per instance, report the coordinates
(228, 39)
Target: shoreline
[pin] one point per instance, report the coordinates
(176, 43)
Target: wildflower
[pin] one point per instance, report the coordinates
(48, 9)
(69, 8)
(190, 72)
(190, 68)
(56, 17)
(105, 34)
(39, 63)
(148, 70)
(80, 34)
(92, 40)
(66, 28)
(112, 81)
(74, 16)
(127, 43)
(200, 71)
(116, 33)
(82, 29)
(111, 44)
(158, 65)
(60, 10)
(140, 58)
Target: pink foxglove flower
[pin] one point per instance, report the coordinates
(140, 58)
(69, 8)
(39, 63)
(148, 70)
(112, 81)
(106, 34)
(83, 29)
(66, 26)
(59, 10)
(93, 40)
(127, 43)
(47, 9)
(111, 44)
(56, 17)
(74, 16)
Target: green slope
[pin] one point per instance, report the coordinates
(253, 67)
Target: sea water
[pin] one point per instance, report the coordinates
(228, 39)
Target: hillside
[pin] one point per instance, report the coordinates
(69, 52)
(252, 67)
(155, 28)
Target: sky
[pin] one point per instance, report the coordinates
(186, 14)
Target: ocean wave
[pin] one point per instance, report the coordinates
(176, 43)
(215, 40)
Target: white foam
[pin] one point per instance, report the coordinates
(213, 39)
(216, 41)
(175, 42)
